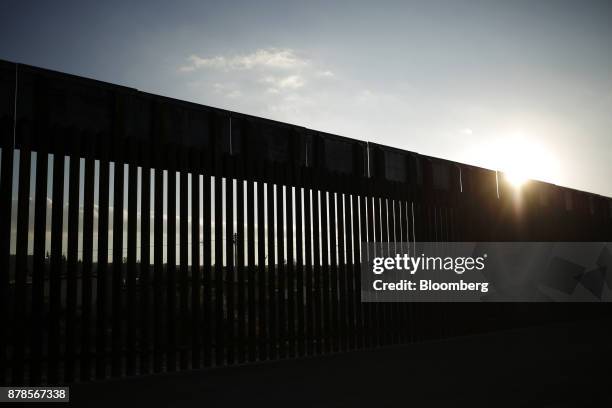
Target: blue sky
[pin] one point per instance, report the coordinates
(505, 85)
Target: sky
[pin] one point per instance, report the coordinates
(516, 86)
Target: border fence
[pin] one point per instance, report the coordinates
(141, 234)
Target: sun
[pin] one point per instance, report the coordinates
(521, 159)
(516, 179)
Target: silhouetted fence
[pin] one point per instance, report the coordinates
(143, 234)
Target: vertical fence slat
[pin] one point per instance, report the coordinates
(352, 290)
(219, 275)
(230, 280)
(196, 271)
(342, 296)
(185, 316)
(392, 307)
(325, 286)
(56, 265)
(332, 279)
(308, 240)
(102, 269)
(208, 308)
(408, 224)
(262, 327)
(72, 264)
(241, 335)
(117, 314)
(359, 236)
(396, 238)
(131, 271)
(290, 268)
(87, 267)
(376, 316)
(40, 266)
(272, 270)
(145, 263)
(158, 254)
(399, 237)
(317, 289)
(333, 255)
(372, 309)
(252, 267)
(171, 246)
(387, 308)
(280, 269)
(300, 280)
(21, 266)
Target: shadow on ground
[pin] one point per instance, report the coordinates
(561, 365)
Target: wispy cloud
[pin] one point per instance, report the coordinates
(262, 58)
(325, 74)
(291, 82)
(272, 79)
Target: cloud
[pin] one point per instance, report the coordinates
(291, 82)
(281, 82)
(325, 74)
(273, 58)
